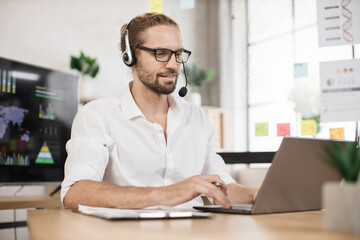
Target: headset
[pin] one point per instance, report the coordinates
(183, 90)
(129, 59)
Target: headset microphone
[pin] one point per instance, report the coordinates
(183, 90)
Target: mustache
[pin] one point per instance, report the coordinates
(171, 73)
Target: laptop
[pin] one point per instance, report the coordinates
(293, 182)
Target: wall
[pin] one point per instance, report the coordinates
(46, 33)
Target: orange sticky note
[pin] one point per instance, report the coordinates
(337, 133)
(156, 5)
(261, 129)
(283, 129)
(308, 127)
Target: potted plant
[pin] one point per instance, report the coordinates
(195, 78)
(88, 68)
(305, 97)
(342, 201)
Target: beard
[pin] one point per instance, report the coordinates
(147, 79)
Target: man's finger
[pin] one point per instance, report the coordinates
(218, 195)
(220, 186)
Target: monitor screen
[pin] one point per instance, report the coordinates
(37, 107)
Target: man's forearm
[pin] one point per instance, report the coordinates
(100, 194)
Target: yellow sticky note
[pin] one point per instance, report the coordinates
(308, 127)
(337, 133)
(261, 129)
(156, 5)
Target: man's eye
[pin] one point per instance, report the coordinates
(160, 53)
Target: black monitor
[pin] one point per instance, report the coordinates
(37, 107)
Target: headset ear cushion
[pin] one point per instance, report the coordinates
(125, 57)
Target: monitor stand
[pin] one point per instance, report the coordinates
(55, 191)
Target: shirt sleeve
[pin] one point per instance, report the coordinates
(88, 149)
(214, 164)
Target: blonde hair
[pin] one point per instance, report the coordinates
(138, 26)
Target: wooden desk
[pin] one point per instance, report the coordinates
(65, 224)
(19, 202)
(29, 202)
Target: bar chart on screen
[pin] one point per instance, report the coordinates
(47, 113)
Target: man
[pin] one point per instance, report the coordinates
(147, 146)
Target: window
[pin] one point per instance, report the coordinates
(283, 71)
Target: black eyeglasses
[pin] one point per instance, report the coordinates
(164, 54)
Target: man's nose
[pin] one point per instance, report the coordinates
(172, 62)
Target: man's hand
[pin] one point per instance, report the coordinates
(255, 192)
(239, 194)
(192, 187)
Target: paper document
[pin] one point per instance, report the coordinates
(148, 213)
(338, 22)
(340, 90)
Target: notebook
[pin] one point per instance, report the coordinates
(159, 212)
(293, 182)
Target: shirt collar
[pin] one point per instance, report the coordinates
(131, 109)
(128, 104)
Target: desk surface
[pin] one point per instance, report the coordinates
(65, 224)
(29, 202)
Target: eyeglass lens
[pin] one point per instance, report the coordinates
(164, 55)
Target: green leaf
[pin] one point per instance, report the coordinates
(94, 70)
(209, 75)
(345, 158)
(355, 163)
(196, 76)
(74, 63)
(85, 65)
(335, 158)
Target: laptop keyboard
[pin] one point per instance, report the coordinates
(247, 207)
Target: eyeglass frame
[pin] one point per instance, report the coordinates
(170, 56)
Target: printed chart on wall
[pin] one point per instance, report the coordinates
(338, 22)
(340, 90)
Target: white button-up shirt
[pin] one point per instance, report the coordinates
(112, 141)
